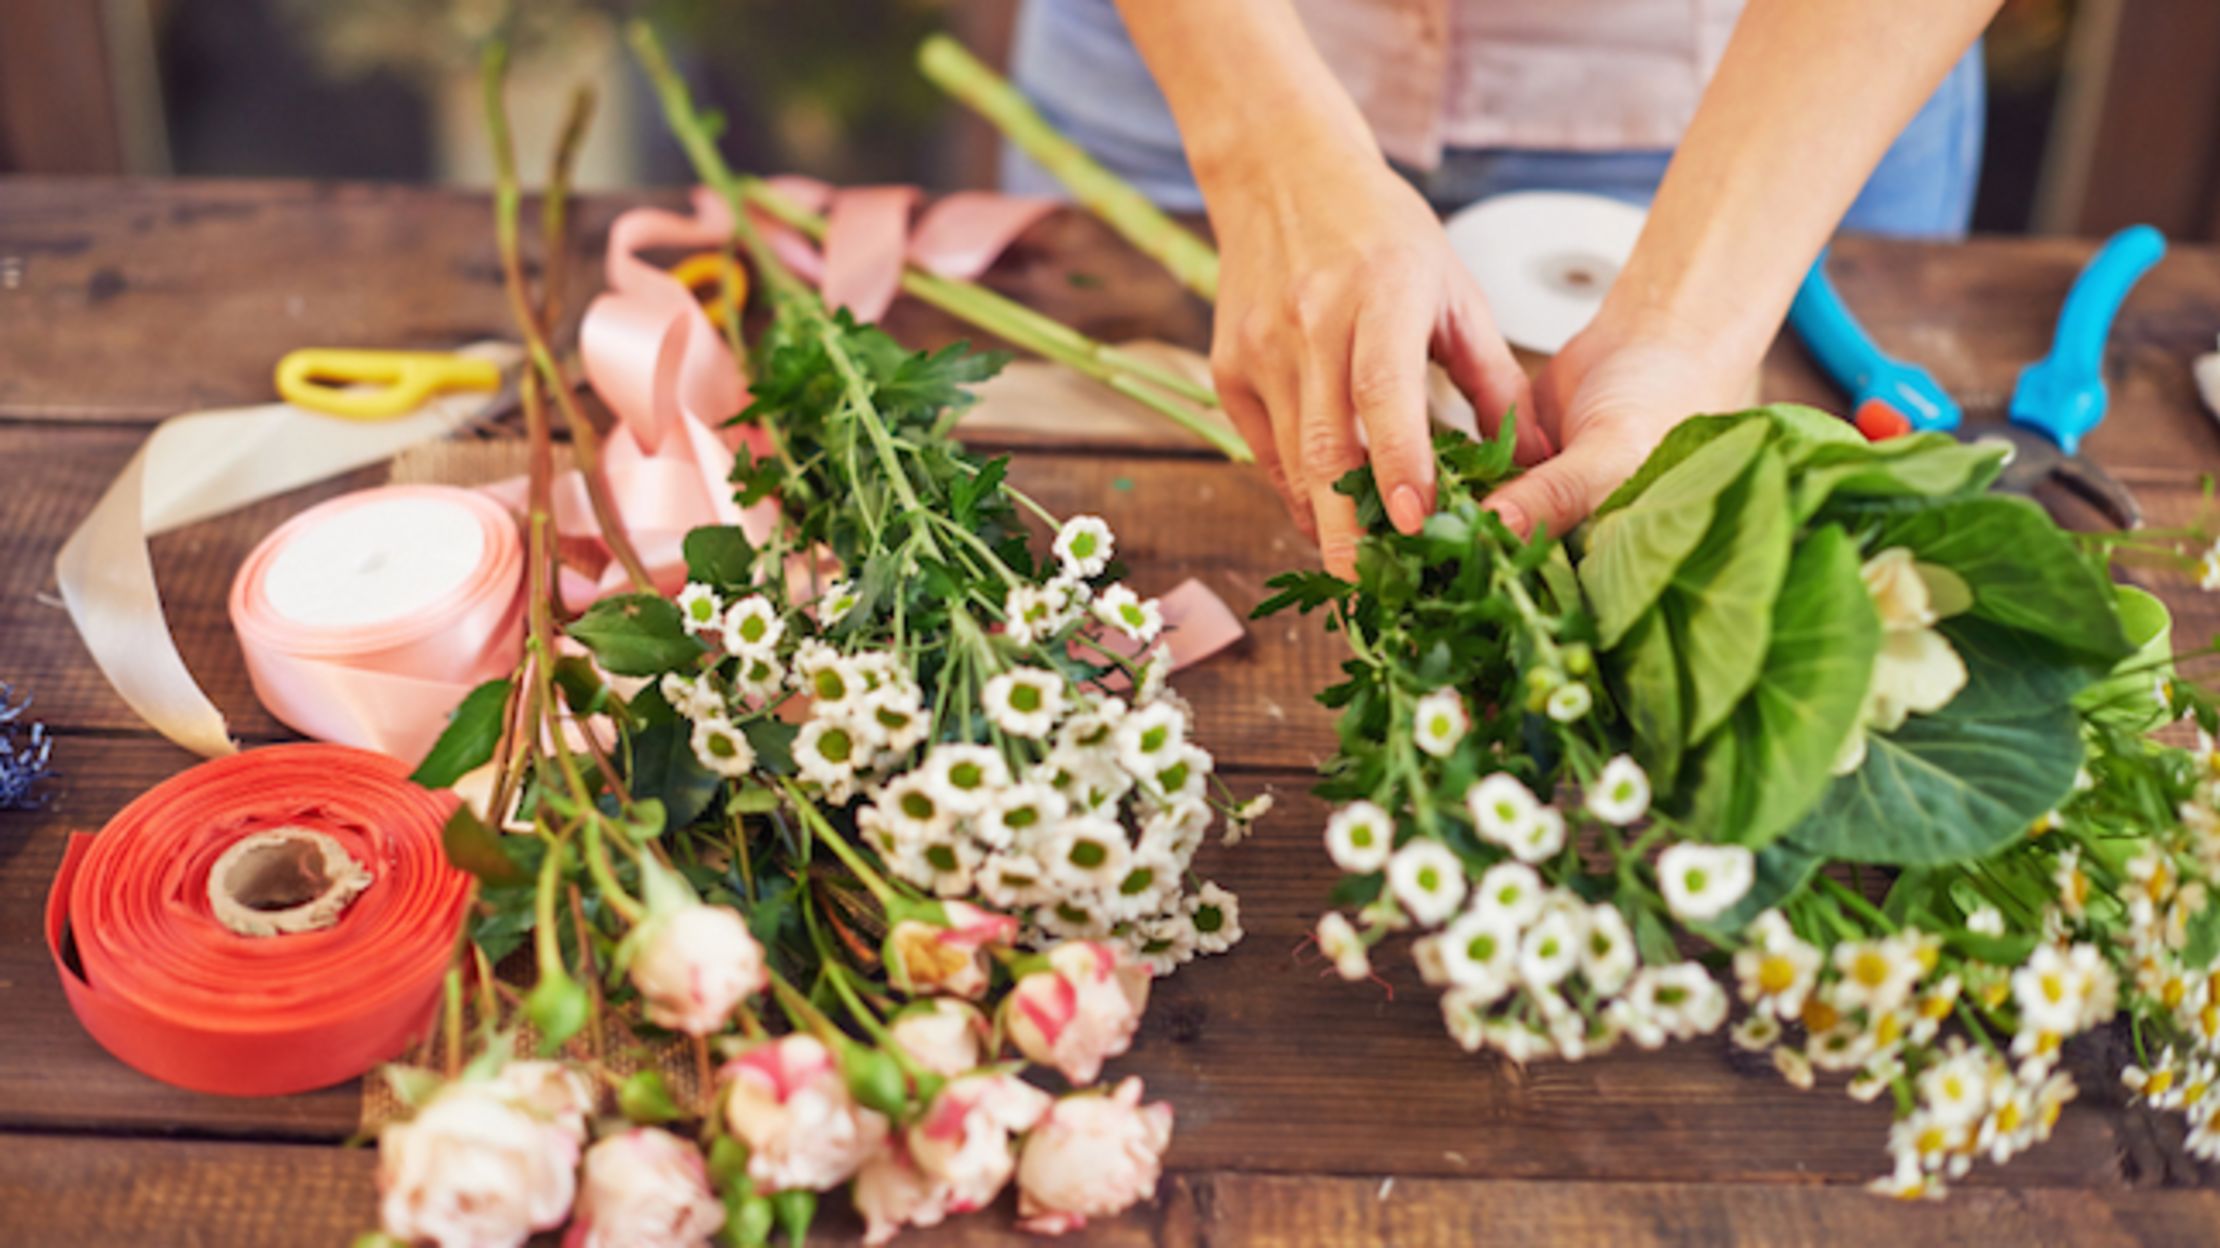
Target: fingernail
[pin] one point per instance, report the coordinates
(1405, 509)
(1514, 517)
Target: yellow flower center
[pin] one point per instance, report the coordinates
(1820, 1016)
(1870, 968)
(2053, 987)
(1935, 1008)
(1886, 1031)
(2008, 1118)
(1776, 974)
(2158, 1082)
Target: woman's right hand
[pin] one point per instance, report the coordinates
(1336, 286)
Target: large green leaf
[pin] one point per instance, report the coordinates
(1802, 429)
(1683, 440)
(2024, 571)
(1633, 552)
(665, 767)
(636, 635)
(1726, 591)
(1925, 465)
(2128, 698)
(472, 734)
(1648, 665)
(1966, 781)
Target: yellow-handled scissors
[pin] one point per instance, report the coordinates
(377, 385)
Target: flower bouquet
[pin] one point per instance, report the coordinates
(876, 814)
(1817, 733)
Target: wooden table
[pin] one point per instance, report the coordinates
(1311, 1111)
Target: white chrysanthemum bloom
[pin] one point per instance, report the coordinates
(1544, 836)
(1701, 882)
(1215, 914)
(1012, 880)
(1756, 1034)
(1024, 701)
(1682, 1000)
(1151, 880)
(951, 862)
(1165, 942)
(1777, 969)
(1502, 808)
(1341, 944)
(692, 697)
(826, 751)
(1088, 780)
(837, 600)
(1569, 702)
(1510, 891)
(1177, 829)
(1607, 956)
(1087, 854)
(1621, 793)
(722, 747)
(1986, 921)
(1551, 948)
(965, 778)
(759, 678)
(1242, 819)
(2052, 991)
(1020, 814)
(1876, 975)
(1183, 778)
(700, 609)
(1092, 724)
(752, 625)
(1439, 722)
(1957, 1089)
(1083, 546)
(1130, 614)
(824, 674)
(1068, 916)
(1479, 952)
(895, 715)
(1428, 881)
(1359, 837)
(912, 809)
(1156, 675)
(1150, 738)
(1028, 615)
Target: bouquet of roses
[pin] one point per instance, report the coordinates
(873, 814)
(1870, 740)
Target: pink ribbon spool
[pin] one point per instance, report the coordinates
(365, 619)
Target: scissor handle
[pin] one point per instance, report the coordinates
(2063, 394)
(703, 271)
(377, 385)
(1848, 355)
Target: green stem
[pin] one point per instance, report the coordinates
(850, 857)
(1855, 902)
(604, 873)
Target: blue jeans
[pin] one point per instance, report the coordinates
(1074, 60)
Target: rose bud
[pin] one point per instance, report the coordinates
(694, 964)
(891, 1193)
(941, 1034)
(1091, 1156)
(963, 1140)
(924, 957)
(474, 1169)
(644, 1189)
(1080, 1011)
(788, 1101)
(552, 1092)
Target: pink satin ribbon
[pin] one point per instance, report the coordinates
(386, 687)
(869, 238)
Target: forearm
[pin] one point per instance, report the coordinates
(1807, 98)
(1245, 84)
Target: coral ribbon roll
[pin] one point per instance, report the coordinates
(365, 619)
(169, 990)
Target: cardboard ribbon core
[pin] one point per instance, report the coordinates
(287, 880)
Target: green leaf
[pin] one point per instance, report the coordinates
(1633, 553)
(1649, 671)
(773, 742)
(581, 685)
(720, 557)
(1683, 440)
(1956, 785)
(1802, 429)
(469, 740)
(1726, 592)
(472, 846)
(644, 1098)
(2024, 571)
(965, 490)
(1922, 465)
(665, 767)
(1304, 591)
(2126, 698)
(636, 635)
(2204, 938)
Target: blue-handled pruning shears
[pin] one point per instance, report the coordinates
(2058, 400)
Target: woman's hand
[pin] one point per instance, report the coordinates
(1337, 286)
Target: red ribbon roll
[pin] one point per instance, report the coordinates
(165, 987)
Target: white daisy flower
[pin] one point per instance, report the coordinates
(1083, 546)
(1024, 701)
(1551, 948)
(1341, 944)
(1151, 878)
(700, 609)
(1074, 918)
(1439, 722)
(1136, 617)
(752, 626)
(693, 697)
(722, 747)
(1019, 816)
(1150, 738)
(1545, 836)
(1087, 855)
(1165, 941)
(966, 777)
(1156, 675)
(1701, 882)
(1607, 956)
(1013, 881)
(1478, 952)
(1428, 880)
(1681, 999)
(1502, 808)
(1569, 701)
(1777, 969)
(912, 809)
(1510, 891)
(759, 678)
(1986, 921)
(833, 605)
(1185, 778)
(2052, 992)
(1956, 1090)
(1621, 793)
(1244, 818)
(826, 751)
(953, 861)
(1360, 836)
(895, 715)
(1876, 975)
(1178, 829)
(1215, 915)
(1756, 1034)
(1087, 779)
(825, 675)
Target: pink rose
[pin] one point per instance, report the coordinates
(891, 1193)
(941, 1034)
(931, 958)
(1081, 1011)
(963, 1140)
(644, 1189)
(694, 965)
(788, 1102)
(1090, 1157)
(474, 1169)
(552, 1092)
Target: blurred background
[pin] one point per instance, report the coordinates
(2101, 112)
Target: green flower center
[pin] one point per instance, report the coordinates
(836, 746)
(1137, 881)
(829, 685)
(1089, 854)
(918, 806)
(1025, 698)
(1209, 919)
(942, 857)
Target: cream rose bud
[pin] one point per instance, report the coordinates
(695, 965)
(1090, 1157)
(924, 958)
(644, 1188)
(963, 1140)
(787, 1100)
(1079, 1012)
(474, 1169)
(554, 1093)
(943, 1035)
(891, 1193)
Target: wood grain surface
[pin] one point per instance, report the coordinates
(1311, 1111)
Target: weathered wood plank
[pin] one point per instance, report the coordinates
(1272, 1065)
